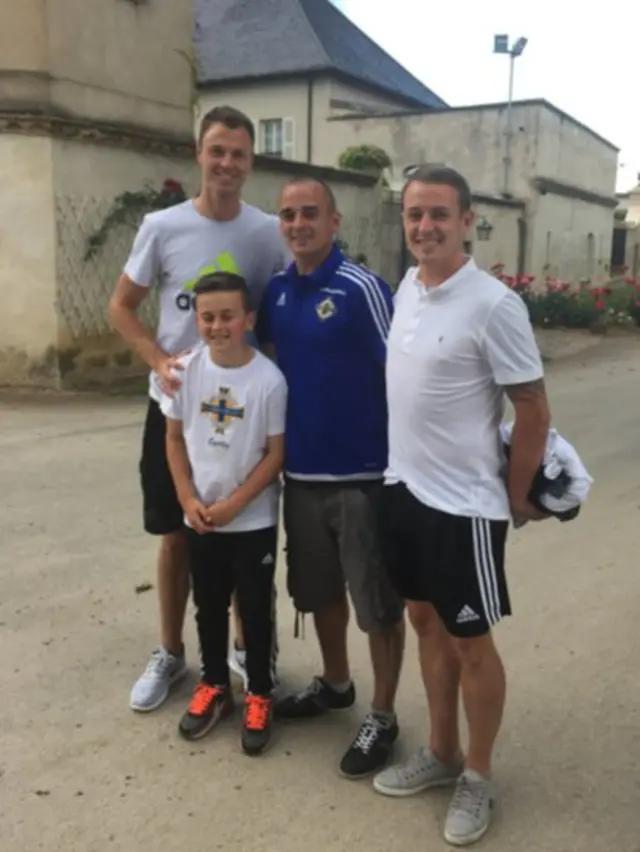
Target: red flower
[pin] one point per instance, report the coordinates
(630, 281)
(600, 305)
(509, 280)
(171, 185)
(524, 280)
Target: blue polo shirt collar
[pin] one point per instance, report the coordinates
(322, 274)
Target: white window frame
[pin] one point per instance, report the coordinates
(282, 147)
(271, 137)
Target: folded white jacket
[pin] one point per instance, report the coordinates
(563, 483)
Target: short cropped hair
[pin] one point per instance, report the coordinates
(230, 117)
(444, 176)
(328, 192)
(224, 282)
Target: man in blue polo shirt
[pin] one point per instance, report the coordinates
(327, 320)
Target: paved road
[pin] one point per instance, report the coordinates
(80, 773)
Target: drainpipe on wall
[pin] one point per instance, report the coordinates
(522, 244)
(310, 120)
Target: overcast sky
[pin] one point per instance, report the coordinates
(584, 59)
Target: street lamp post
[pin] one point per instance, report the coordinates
(501, 45)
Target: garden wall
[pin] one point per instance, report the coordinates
(57, 193)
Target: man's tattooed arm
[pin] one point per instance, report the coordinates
(528, 442)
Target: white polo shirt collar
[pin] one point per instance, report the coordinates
(440, 291)
(425, 295)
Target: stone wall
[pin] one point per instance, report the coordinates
(116, 61)
(28, 322)
(57, 190)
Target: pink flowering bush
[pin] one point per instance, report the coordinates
(565, 304)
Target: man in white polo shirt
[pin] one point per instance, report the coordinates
(460, 341)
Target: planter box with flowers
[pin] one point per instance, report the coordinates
(565, 304)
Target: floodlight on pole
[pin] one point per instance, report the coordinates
(501, 45)
(519, 47)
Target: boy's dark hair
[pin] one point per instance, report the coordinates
(444, 176)
(224, 282)
(328, 192)
(231, 117)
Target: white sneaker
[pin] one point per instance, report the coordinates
(470, 810)
(152, 687)
(421, 771)
(237, 662)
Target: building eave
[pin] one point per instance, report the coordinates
(413, 104)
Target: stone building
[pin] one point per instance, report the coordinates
(315, 85)
(626, 236)
(96, 114)
(82, 119)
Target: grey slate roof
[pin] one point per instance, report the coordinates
(236, 39)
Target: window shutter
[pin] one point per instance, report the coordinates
(259, 131)
(288, 139)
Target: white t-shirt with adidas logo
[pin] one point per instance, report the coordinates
(227, 414)
(174, 247)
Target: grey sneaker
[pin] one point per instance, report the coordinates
(470, 809)
(152, 687)
(419, 772)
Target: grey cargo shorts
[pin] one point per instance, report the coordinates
(332, 542)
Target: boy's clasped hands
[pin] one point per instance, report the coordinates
(204, 519)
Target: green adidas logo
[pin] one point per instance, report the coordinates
(224, 262)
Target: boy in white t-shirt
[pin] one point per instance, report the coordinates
(225, 447)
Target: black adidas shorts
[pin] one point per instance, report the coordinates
(455, 563)
(162, 513)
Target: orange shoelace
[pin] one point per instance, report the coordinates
(257, 712)
(203, 696)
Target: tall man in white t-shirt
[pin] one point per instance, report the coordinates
(172, 250)
(460, 341)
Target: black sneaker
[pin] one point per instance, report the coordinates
(371, 748)
(256, 730)
(314, 700)
(209, 704)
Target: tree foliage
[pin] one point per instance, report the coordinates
(365, 158)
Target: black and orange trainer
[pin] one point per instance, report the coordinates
(209, 704)
(256, 730)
